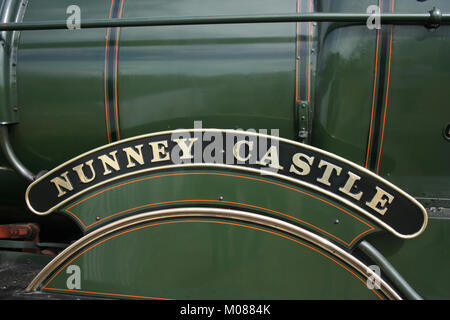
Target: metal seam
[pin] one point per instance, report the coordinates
(375, 148)
(111, 74)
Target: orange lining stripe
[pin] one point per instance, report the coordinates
(221, 174)
(373, 95)
(230, 202)
(203, 221)
(115, 78)
(108, 294)
(387, 95)
(115, 84)
(199, 200)
(385, 105)
(106, 73)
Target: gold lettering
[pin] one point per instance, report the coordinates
(159, 150)
(328, 171)
(137, 156)
(185, 148)
(272, 155)
(79, 170)
(237, 148)
(297, 162)
(113, 163)
(380, 198)
(352, 178)
(60, 183)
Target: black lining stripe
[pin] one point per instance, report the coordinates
(111, 59)
(385, 32)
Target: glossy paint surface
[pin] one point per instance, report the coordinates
(414, 152)
(423, 261)
(238, 76)
(344, 84)
(228, 76)
(411, 149)
(209, 259)
(222, 189)
(235, 76)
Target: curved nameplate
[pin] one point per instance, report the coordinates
(284, 159)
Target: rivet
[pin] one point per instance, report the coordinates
(97, 218)
(15, 109)
(220, 198)
(336, 221)
(435, 18)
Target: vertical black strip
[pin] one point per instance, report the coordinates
(385, 7)
(111, 59)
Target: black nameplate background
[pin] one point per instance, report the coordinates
(403, 215)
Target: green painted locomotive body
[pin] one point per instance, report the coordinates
(356, 113)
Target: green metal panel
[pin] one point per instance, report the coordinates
(10, 11)
(231, 76)
(60, 85)
(239, 76)
(208, 259)
(228, 76)
(422, 261)
(242, 76)
(344, 84)
(414, 153)
(267, 196)
(415, 156)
